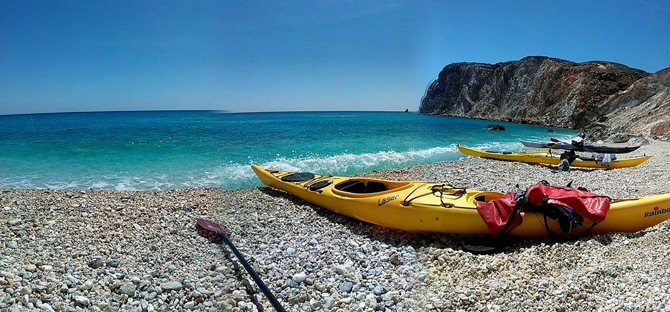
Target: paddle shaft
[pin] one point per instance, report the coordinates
(253, 274)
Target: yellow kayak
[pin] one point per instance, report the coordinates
(542, 157)
(424, 206)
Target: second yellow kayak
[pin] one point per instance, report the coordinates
(543, 157)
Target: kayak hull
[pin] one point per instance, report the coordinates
(423, 206)
(542, 157)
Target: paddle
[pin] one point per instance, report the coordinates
(211, 226)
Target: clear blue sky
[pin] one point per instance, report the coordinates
(64, 56)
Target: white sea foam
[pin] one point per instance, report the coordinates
(349, 163)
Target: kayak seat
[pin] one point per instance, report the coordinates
(374, 187)
(361, 187)
(352, 186)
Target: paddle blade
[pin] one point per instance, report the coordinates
(211, 226)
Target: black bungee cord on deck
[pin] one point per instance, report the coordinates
(436, 188)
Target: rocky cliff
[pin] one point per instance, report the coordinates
(552, 92)
(643, 108)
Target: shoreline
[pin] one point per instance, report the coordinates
(106, 250)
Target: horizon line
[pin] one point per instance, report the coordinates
(197, 110)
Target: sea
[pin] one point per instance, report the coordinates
(162, 150)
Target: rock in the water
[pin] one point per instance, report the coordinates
(496, 127)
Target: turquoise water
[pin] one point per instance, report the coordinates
(178, 149)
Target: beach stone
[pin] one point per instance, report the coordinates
(299, 277)
(346, 287)
(82, 301)
(328, 303)
(290, 283)
(128, 289)
(315, 303)
(395, 259)
(12, 244)
(47, 307)
(87, 285)
(340, 269)
(204, 291)
(7, 274)
(95, 263)
(172, 285)
(112, 263)
(347, 300)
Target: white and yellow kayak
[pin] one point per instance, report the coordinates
(543, 157)
(424, 206)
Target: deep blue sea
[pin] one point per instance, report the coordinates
(179, 149)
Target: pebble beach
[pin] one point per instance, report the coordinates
(104, 250)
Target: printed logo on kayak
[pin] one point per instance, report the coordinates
(386, 200)
(657, 211)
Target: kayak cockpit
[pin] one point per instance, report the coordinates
(366, 187)
(484, 196)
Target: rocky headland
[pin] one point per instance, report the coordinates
(602, 97)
